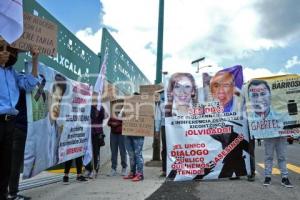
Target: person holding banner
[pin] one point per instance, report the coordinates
(181, 94)
(68, 164)
(134, 146)
(10, 84)
(160, 129)
(98, 135)
(260, 98)
(42, 153)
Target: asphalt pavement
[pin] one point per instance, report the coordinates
(156, 188)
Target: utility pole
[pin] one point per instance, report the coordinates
(159, 60)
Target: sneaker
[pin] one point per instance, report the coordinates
(113, 172)
(129, 176)
(138, 177)
(251, 178)
(286, 183)
(87, 174)
(235, 178)
(91, 175)
(123, 172)
(17, 197)
(267, 181)
(163, 174)
(81, 178)
(65, 179)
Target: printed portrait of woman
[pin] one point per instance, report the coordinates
(181, 94)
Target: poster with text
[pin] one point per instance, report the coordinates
(58, 113)
(273, 106)
(206, 139)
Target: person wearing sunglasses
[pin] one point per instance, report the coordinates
(11, 82)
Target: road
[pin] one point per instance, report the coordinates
(154, 188)
(239, 189)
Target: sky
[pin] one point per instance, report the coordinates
(261, 35)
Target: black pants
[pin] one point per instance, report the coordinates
(96, 154)
(163, 149)
(78, 162)
(17, 158)
(237, 166)
(6, 132)
(252, 155)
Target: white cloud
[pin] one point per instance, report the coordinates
(292, 62)
(192, 29)
(250, 73)
(92, 40)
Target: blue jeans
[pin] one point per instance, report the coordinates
(134, 146)
(117, 142)
(279, 145)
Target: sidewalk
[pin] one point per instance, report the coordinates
(103, 187)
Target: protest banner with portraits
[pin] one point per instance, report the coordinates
(58, 113)
(206, 132)
(273, 106)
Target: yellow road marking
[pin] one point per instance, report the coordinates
(275, 171)
(293, 168)
(72, 170)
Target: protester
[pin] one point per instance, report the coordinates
(10, 84)
(251, 177)
(18, 146)
(134, 146)
(117, 140)
(181, 93)
(260, 98)
(160, 129)
(68, 164)
(259, 142)
(97, 134)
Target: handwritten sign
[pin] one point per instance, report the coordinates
(38, 33)
(138, 126)
(139, 105)
(150, 89)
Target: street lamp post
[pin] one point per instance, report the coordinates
(197, 61)
(159, 60)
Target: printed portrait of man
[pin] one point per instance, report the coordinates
(41, 152)
(222, 87)
(260, 98)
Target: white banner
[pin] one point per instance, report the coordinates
(207, 135)
(58, 121)
(11, 20)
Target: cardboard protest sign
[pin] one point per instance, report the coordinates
(138, 112)
(138, 126)
(150, 89)
(139, 105)
(110, 92)
(273, 106)
(40, 33)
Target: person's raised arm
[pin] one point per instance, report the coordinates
(35, 59)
